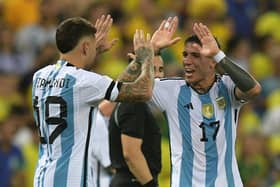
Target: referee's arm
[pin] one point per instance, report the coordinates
(135, 159)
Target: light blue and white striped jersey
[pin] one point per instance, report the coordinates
(100, 155)
(202, 129)
(65, 100)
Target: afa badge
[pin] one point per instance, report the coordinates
(221, 102)
(208, 110)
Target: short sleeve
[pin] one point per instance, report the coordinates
(131, 117)
(164, 90)
(231, 89)
(94, 87)
(101, 140)
(158, 96)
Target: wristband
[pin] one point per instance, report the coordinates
(219, 56)
(151, 183)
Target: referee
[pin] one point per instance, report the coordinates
(135, 139)
(134, 146)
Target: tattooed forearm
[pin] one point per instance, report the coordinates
(133, 70)
(130, 74)
(141, 88)
(240, 77)
(142, 54)
(136, 91)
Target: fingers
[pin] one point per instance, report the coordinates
(135, 38)
(165, 24)
(174, 41)
(99, 21)
(201, 30)
(169, 25)
(140, 39)
(107, 23)
(173, 25)
(206, 30)
(197, 31)
(114, 41)
(104, 23)
(148, 37)
(161, 27)
(141, 34)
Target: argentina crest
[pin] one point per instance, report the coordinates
(208, 110)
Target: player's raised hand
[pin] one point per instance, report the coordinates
(103, 26)
(142, 46)
(209, 45)
(163, 36)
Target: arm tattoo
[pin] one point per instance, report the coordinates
(135, 91)
(131, 72)
(140, 89)
(142, 54)
(241, 78)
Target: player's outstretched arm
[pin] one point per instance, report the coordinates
(141, 88)
(131, 72)
(246, 86)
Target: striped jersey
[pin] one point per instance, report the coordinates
(100, 154)
(202, 129)
(65, 100)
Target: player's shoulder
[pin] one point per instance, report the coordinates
(43, 70)
(89, 79)
(84, 74)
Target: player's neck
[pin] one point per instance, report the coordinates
(72, 59)
(204, 86)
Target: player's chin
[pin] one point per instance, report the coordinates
(189, 78)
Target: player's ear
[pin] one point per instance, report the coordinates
(85, 47)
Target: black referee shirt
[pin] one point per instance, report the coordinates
(135, 120)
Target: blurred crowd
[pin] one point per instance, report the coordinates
(248, 31)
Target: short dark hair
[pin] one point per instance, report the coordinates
(70, 31)
(195, 39)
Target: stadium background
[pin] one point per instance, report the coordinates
(249, 31)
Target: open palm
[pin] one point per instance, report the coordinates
(162, 37)
(209, 46)
(103, 25)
